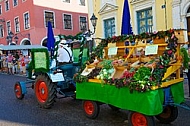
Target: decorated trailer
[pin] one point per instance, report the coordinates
(139, 73)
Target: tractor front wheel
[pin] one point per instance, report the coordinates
(45, 91)
(18, 91)
(91, 109)
(138, 119)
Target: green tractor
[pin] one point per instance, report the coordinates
(49, 80)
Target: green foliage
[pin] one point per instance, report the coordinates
(80, 78)
(106, 64)
(143, 73)
(184, 54)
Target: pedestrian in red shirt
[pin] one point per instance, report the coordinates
(10, 63)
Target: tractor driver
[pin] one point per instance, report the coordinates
(64, 54)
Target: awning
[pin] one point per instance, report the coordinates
(20, 47)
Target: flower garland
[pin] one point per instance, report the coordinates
(145, 35)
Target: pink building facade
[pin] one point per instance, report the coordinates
(27, 19)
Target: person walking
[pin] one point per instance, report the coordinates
(26, 61)
(10, 63)
(21, 64)
(14, 65)
(4, 63)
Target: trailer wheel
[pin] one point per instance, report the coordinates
(91, 109)
(113, 107)
(138, 119)
(18, 91)
(45, 91)
(169, 114)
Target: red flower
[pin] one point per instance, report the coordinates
(161, 66)
(113, 37)
(169, 52)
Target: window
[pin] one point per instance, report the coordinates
(26, 21)
(83, 19)
(8, 27)
(109, 27)
(0, 9)
(17, 25)
(82, 2)
(6, 5)
(144, 21)
(68, 1)
(49, 16)
(67, 21)
(1, 31)
(15, 3)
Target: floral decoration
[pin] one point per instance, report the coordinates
(143, 78)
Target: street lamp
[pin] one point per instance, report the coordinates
(26, 42)
(10, 36)
(94, 21)
(88, 33)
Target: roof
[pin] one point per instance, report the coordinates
(20, 47)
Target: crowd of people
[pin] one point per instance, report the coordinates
(14, 63)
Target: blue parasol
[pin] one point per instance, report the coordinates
(50, 39)
(126, 28)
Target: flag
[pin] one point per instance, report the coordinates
(126, 28)
(50, 39)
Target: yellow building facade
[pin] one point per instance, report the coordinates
(146, 16)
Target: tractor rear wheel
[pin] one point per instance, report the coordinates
(91, 109)
(169, 114)
(18, 91)
(45, 91)
(138, 119)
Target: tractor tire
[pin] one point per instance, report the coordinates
(18, 91)
(169, 114)
(138, 119)
(45, 91)
(91, 109)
